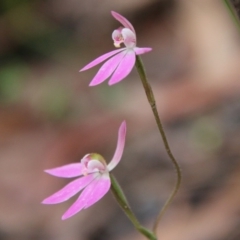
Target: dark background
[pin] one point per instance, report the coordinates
(50, 117)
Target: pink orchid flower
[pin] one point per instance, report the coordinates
(122, 60)
(94, 179)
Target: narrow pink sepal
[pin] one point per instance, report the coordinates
(140, 51)
(120, 146)
(69, 190)
(101, 188)
(122, 20)
(124, 67)
(107, 69)
(100, 59)
(66, 171)
(80, 203)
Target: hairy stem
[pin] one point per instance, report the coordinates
(152, 102)
(122, 201)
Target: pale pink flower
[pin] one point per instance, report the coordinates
(94, 179)
(122, 60)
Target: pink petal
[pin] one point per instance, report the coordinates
(91, 194)
(69, 190)
(140, 51)
(101, 188)
(124, 68)
(122, 20)
(66, 171)
(79, 204)
(107, 68)
(100, 59)
(120, 146)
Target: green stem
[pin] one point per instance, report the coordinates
(152, 102)
(232, 12)
(122, 201)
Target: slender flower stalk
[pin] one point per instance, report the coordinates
(152, 102)
(122, 201)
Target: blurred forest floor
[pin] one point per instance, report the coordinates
(49, 117)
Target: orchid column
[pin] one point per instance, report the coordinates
(118, 65)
